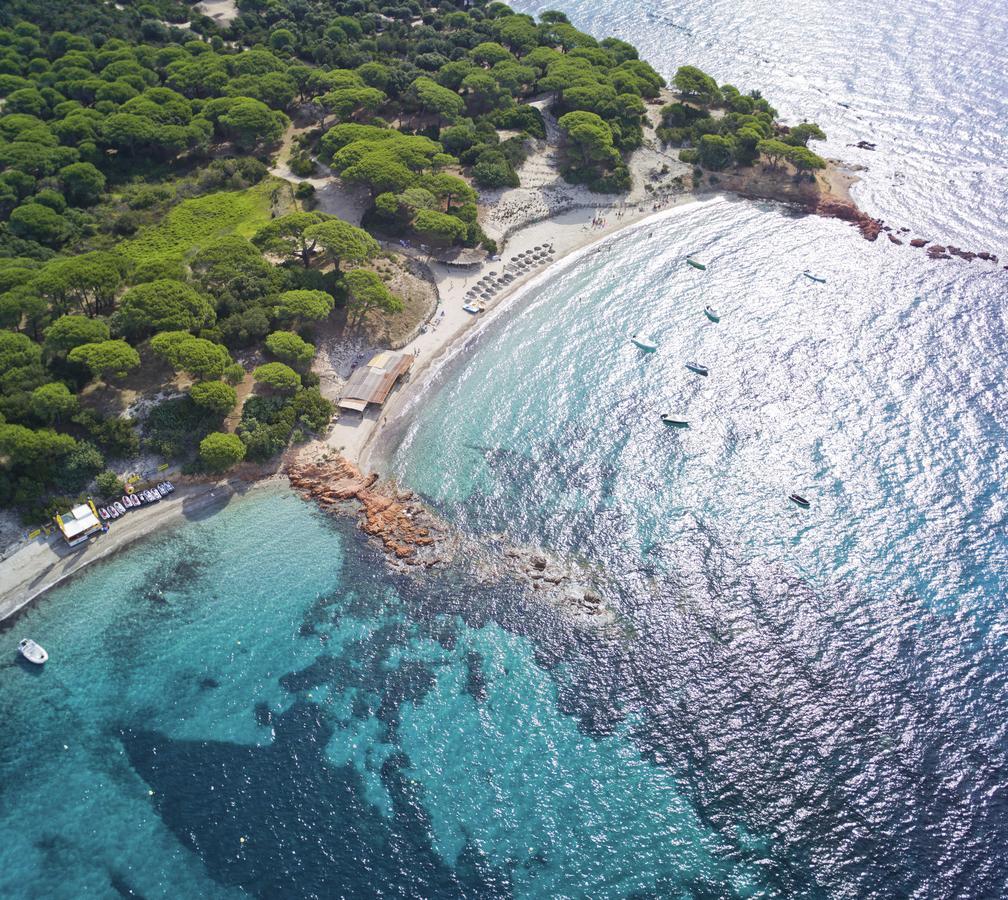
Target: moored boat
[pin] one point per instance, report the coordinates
(34, 653)
(712, 313)
(812, 277)
(699, 369)
(677, 420)
(696, 265)
(119, 508)
(644, 342)
(800, 500)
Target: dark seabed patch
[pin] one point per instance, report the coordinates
(281, 821)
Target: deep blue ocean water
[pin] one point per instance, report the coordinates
(795, 703)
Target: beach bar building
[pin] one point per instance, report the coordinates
(79, 524)
(372, 382)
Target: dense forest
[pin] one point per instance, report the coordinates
(141, 232)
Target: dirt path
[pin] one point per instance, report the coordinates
(331, 195)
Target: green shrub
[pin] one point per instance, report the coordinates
(214, 396)
(278, 376)
(109, 484)
(290, 348)
(312, 409)
(219, 451)
(174, 427)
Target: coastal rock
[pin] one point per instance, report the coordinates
(832, 208)
(894, 239)
(864, 145)
(918, 242)
(401, 524)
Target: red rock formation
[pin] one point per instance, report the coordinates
(894, 239)
(394, 518)
(918, 242)
(832, 208)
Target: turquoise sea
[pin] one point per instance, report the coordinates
(795, 703)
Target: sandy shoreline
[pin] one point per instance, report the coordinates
(40, 565)
(356, 436)
(44, 563)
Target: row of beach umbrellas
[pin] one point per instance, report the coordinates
(493, 281)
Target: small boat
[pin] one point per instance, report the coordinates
(800, 500)
(128, 501)
(699, 369)
(696, 265)
(472, 308)
(712, 313)
(678, 420)
(812, 277)
(644, 342)
(169, 486)
(34, 653)
(119, 508)
(103, 512)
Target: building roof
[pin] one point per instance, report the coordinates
(372, 382)
(460, 256)
(79, 520)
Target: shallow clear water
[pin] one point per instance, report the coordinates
(796, 703)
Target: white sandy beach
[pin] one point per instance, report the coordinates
(356, 436)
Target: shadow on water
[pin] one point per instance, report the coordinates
(281, 821)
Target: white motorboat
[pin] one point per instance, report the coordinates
(34, 653)
(677, 420)
(644, 342)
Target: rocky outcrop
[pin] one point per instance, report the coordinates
(894, 239)
(832, 208)
(396, 519)
(414, 539)
(918, 242)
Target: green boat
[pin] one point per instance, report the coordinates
(697, 265)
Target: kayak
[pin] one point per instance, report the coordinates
(696, 265)
(644, 342)
(699, 369)
(800, 500)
